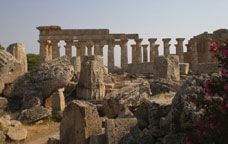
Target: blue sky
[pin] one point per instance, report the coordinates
(149, 18)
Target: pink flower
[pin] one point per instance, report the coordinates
(225, 52)
(213, 47)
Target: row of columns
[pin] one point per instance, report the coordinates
(50, 50)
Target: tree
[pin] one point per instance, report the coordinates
(1, 47)
(33, 61)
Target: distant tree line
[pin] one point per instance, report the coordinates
(1, 47)
(33, 61)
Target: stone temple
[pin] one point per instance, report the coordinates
(92, 41)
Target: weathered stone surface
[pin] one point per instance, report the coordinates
(12, 128)
(8, 90)
(2, 137)
(10, 69)
(34, 114)
(167, 68)
(158, 87)
(3, 103)
(140, 68)
(91, 82)
(18, 51)
(116, 129)
(97, 139)
(53, 141)
(58, 100)
(206, 68)
(179, 138)
(5, 123)
(116, 103)
(181, 109)
(80, 121)
(17, 133)
(184, 68)
(36, 86)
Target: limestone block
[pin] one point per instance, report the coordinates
(10, 68)
(167, 68)
(116, 129)
(18, 51)
(184, 68)
(91, 81)
(80, 121)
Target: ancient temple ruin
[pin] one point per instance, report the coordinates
(92, 41)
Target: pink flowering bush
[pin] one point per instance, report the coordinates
(209, 124)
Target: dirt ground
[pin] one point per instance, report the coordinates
(39, 133)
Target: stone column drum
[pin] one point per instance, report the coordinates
(145, 53)
(55, 49)
(134, 55)
(58, 101)
(193, 55)
(68, 48)
(124, 54)
(180, 49)
(152, 49)
(111, 59)
(166, 46)
(138, 50)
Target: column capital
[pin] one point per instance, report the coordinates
(69, 42)
(180, 39)
(125, 40)
(44, 41)
(166, 40)
(111, 42)
(133, 46)
(138, 41)
(80, 44)
(152, 40)
(145, 45)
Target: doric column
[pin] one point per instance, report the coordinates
(193, 55)
(124, 54)
(45, 51)
(134, 55)
(156, 53)
(78, 49)
(55, 49)
(139, 50)
(89, 48)
(152, 49)
(68, 48)
(180, 49)
(83, 48)
(166, 46)
(80, 46)
(98, 47)
(145, 53)
(111, 60)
